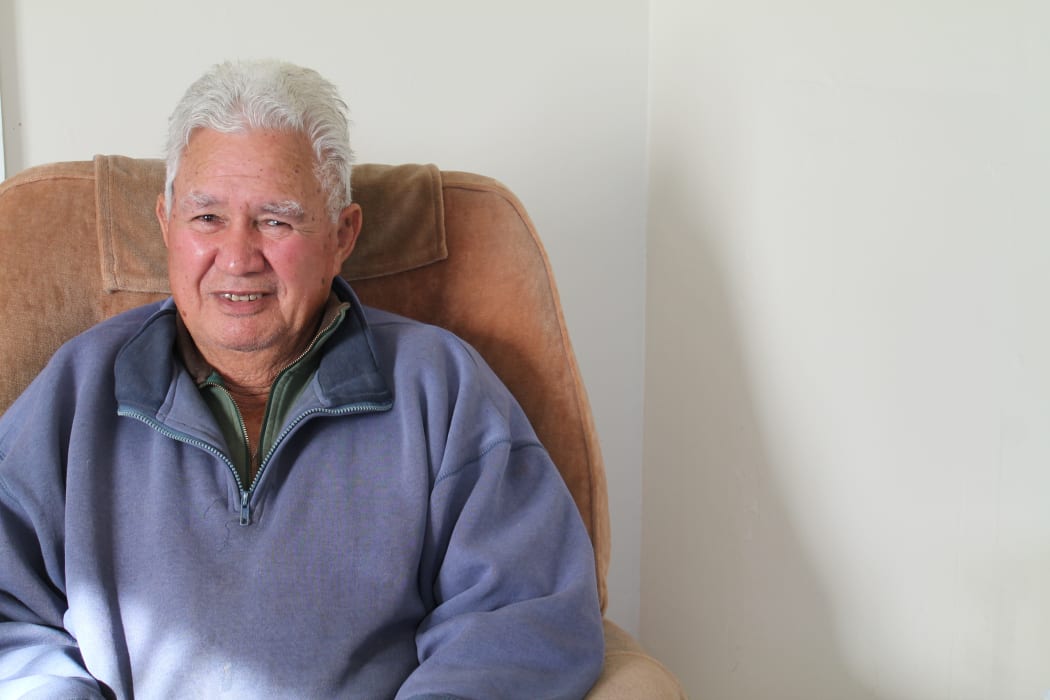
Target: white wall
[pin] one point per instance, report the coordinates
(848, 361)
(2, 170)
(548, 97)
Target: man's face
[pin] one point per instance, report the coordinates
(252, 249)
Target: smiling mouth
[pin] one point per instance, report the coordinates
(241, 297)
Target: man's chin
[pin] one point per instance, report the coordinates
(246, 342)
(248, 345)
(238, 342)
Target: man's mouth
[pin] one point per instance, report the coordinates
(241, 297)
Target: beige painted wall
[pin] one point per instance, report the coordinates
(847, 442)
(511, 92)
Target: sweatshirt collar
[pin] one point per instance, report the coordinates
(186, 348)
(150, 378)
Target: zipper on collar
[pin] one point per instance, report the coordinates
(250, 457)
(253, 463)
(246, 507)
(246, 513)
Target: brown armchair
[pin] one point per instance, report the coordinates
(79, 243)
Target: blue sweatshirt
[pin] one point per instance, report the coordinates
(407, 536)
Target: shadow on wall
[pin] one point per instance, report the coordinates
(10, 95)
(731, 600)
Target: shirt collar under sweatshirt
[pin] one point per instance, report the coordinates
(285, 390)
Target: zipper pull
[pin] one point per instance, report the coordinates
(246, 510)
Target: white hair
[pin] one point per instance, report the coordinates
(239, 96)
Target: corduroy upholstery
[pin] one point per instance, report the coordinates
(79, 243)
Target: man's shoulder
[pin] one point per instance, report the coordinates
(432, 357)
(380, 318)
(80, 370)
(104, 339)
(393, 330)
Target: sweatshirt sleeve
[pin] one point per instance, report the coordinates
(39, 658)
(515, 605)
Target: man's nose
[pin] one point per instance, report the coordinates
(240, 251)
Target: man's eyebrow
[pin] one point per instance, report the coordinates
(198, 200)
(289, 208)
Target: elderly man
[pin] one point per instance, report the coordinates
(261, 488)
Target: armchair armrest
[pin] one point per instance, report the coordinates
(630, 673)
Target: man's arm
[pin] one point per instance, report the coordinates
(516, 607)
(38, 658)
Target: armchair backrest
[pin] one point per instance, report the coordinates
(79, 243)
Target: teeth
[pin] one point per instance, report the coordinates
(241, 297)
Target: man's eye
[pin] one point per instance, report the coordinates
(273, 223)
(206, 218)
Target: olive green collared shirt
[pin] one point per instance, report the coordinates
(286, 388)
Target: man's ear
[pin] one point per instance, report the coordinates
(348, 229)
(162, 218)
